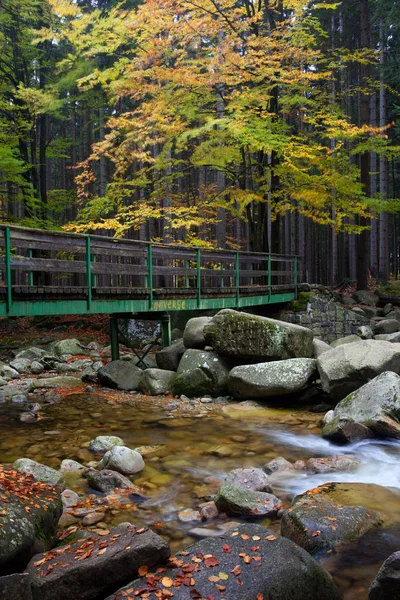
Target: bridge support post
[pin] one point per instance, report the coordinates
(166, 329)
(114, 337)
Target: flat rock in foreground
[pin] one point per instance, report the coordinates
(240, 335)
(249, 561)
(387, 583)
(29, 513)
(93, 567)
(371, 411)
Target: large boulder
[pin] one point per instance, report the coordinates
(386, 326)
(93, 567)
(22, 365)
(193, 336)
(66, 347)
(155, 382)
(15, 587)
(334, 514)
(201, 373)
(28, 520)
(349, 339)
(372, 410)
(168, 358)
(122, 459)
(121, 375)
(320, 347)
(40, 472)
(31, 353)
(241, 335)
(271, 379)
(226, 568)
(387, 583)
(389, 337)
(235, 500)
(347, 368)
(366, 297)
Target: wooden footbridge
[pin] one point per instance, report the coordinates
(58, 273)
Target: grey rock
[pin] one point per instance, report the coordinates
(90, 579)
(341, 503)
(31, 353)
(387, 309)
(22, 365)
(372, 410)
(168, 358)
(348, 367)
(320, 347)
(107, 480)
(201, 373)
(40, 472)
(15, 587)
(394, 338)
(241, 335)
(68, 347)
(250, 479)
(387, 326)
(328, 417)
(359, 311)
(365, 332)
(277, 464)
(121, 375)
(69, 498)
(235, 500)
(349, 339)
(25, 532)
(156, 381)
(340, 462)
(103, 443)
(19, 399)
(37, 367)
(54, 382)
(71, 466)
(347, 301)
(28, 417)
(366, 297)
(89, 375)
(122, 459)
(3, 382)
(193, 335)
(286, 571)
(271, 379)
(386, 585)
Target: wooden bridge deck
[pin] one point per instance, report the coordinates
(58, 273)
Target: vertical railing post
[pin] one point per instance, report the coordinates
(150, 273)
(198, 276)
(94, 277)
(295, 275)
(30, 273)
(222, 278)
(166, 330)
(7, 258)
(237, 277)
(187, 281)
(114, 337)
(88, 274)
(269, 278)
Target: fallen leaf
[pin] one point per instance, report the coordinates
(237, 570)
(143, 570)
(167, 582)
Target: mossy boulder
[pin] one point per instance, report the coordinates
(271, 379)
(371, 411)
(28, 518)
(40, 472)
(241, 335)
(336, 513)
(102, 443)
(70, 346)
(201, 373)
(235, 500)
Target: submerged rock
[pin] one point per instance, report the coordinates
(121, 375)
(277, 464)
(372, 410)
(122, 459)
(235, 500)
(110, 561)
(284, 571)
(241, 335)
(271, 379)
(250, 479)
(348, 367)
(28, 520)
(333, 514)
(386, 585)
(201, 373)
(40, 472)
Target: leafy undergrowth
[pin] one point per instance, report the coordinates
(392, 288)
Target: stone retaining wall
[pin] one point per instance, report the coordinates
(326, 318)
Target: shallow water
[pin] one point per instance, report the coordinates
(197, 445)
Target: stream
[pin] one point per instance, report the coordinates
(189, 448)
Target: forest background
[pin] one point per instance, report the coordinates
(249, 124)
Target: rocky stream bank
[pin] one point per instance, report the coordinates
(204, 475)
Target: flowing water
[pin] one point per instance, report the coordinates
(193, 447)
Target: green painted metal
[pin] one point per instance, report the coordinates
(198, 277)
(94, 276)
(114, 337)
(150, 274)
(30, 274)
(88, 274)
(7, 252)
(166, 329)
(222, 267)
(237, 276)
(79, 307)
